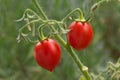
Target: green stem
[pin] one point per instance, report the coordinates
(76, 10)
(101, 1)
(82, 68)
(29, 10)
(40, 33)
(39, 8)
(51, 27)
(34, 21)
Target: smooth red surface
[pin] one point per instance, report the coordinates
(80, 35)
(47, 54)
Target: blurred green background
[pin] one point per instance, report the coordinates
(16, 59)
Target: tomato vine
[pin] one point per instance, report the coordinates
(31, 18)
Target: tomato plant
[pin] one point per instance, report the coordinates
(47, 51)
(80, 35)
(47, 54)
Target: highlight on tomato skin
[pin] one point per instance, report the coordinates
(47, 54)
(80, 35)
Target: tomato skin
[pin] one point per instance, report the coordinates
(47, 54)
(80, 35)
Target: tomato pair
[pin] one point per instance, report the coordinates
(47, 52)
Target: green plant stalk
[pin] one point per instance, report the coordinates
(67, 46)
(76, 10)
(40, 35)
(34, 21)
(40, 9)
(101, 1)
(29, 10)
(82, 68)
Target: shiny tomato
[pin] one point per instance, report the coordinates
(80, 35)
(47, 54)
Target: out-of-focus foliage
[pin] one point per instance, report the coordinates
(16, 59)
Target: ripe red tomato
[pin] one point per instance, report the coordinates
(47, 54)
(80, 35)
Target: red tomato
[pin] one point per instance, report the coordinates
(80, 35)
(47, 54)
